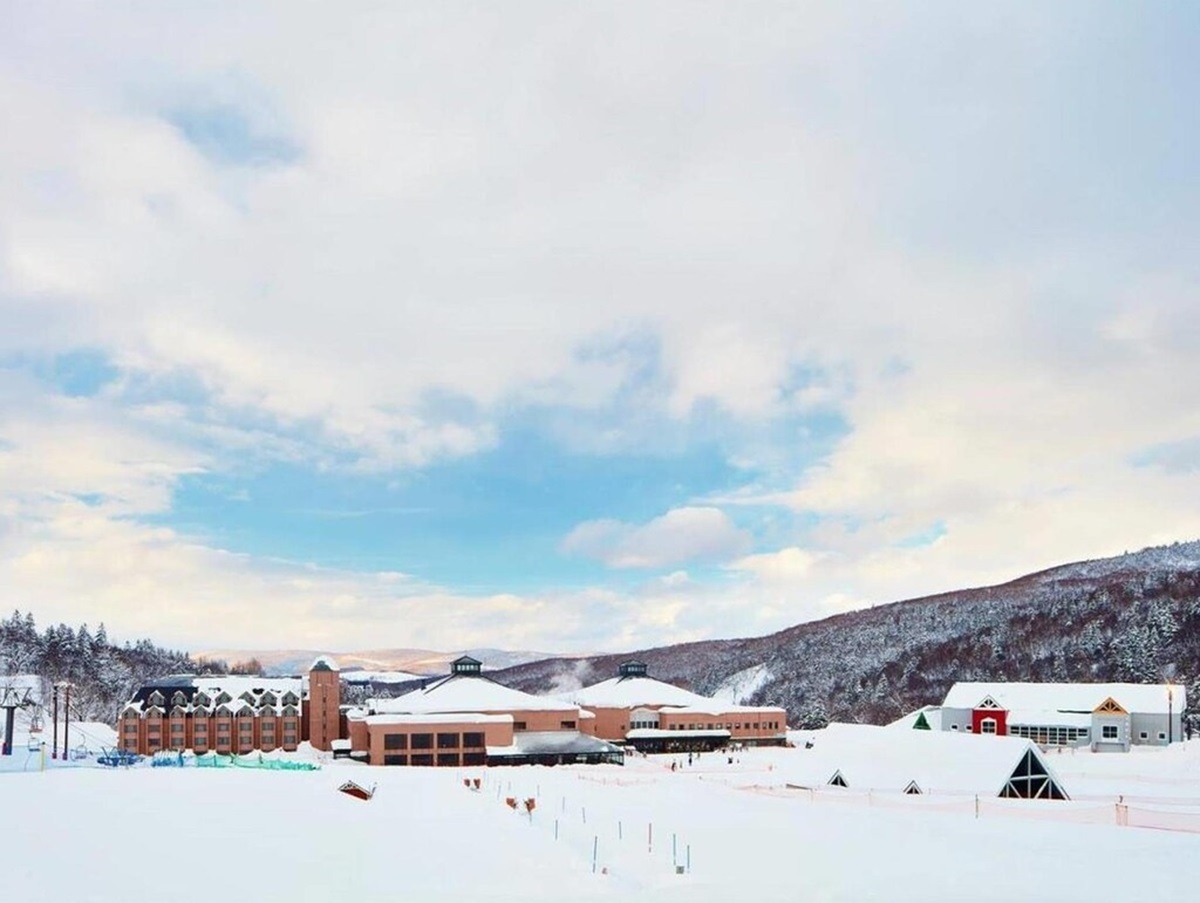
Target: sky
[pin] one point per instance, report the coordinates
(579, 327)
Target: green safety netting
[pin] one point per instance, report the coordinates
(213, 760)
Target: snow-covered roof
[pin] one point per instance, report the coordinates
(469, 693)
(881, 758)
(654, 733)
(627, 692)
(379, 677)
(236, 685)
(1043, 718)
(530, 743)
(1143, 698)
(323, 663)
(458, 718)
(714, 708)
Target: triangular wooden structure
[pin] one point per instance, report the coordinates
(1110, 707)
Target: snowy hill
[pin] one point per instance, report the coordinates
(1135, 617)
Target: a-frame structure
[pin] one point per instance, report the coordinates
(1031, 780)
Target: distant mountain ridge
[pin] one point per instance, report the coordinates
(1134, 617)
(277, 662)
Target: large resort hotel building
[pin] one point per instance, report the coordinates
(232, 714)
(462, 719)
(654, 716)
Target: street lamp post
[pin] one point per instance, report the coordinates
(54, 742)
(1170, 715)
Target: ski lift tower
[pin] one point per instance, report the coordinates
(11, 699)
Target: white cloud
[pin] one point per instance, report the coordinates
(680, 535)
(1007, 330)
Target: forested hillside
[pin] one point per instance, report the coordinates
(104, 675)
(1131, 618)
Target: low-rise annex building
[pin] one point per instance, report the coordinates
(466, 718)
(1107, 717)
(231, 714)
(869, 758)
(655, 716)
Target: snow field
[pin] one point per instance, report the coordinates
(116, 835)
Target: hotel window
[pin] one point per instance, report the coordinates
(1162, 735)
(474, 758)
(447, 741)
(518, 725)
(987, 726)
(1145, 735)
(567, 725)
(289, 738)
(395, 741)
(153, 729)
(131, 728)
(448, 759)
(473, 740)
(176, 728)
(422, 741)
(397, 759)
(1109, 732)
(423, 759)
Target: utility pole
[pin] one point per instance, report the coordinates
(67, 722)
(54, 743)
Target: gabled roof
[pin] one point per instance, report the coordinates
(1069, 697)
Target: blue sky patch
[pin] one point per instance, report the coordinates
(226, 135)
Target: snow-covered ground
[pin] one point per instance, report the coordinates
(92, 834)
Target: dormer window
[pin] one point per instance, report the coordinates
(245, 712)
(202, 699)
(268, 698)
(178, 712)
(200, 712)
(156, 698)
(247, 697)
(290, 710)
(223, 697)
(289, 698)
(178, 699)
(131, 715)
